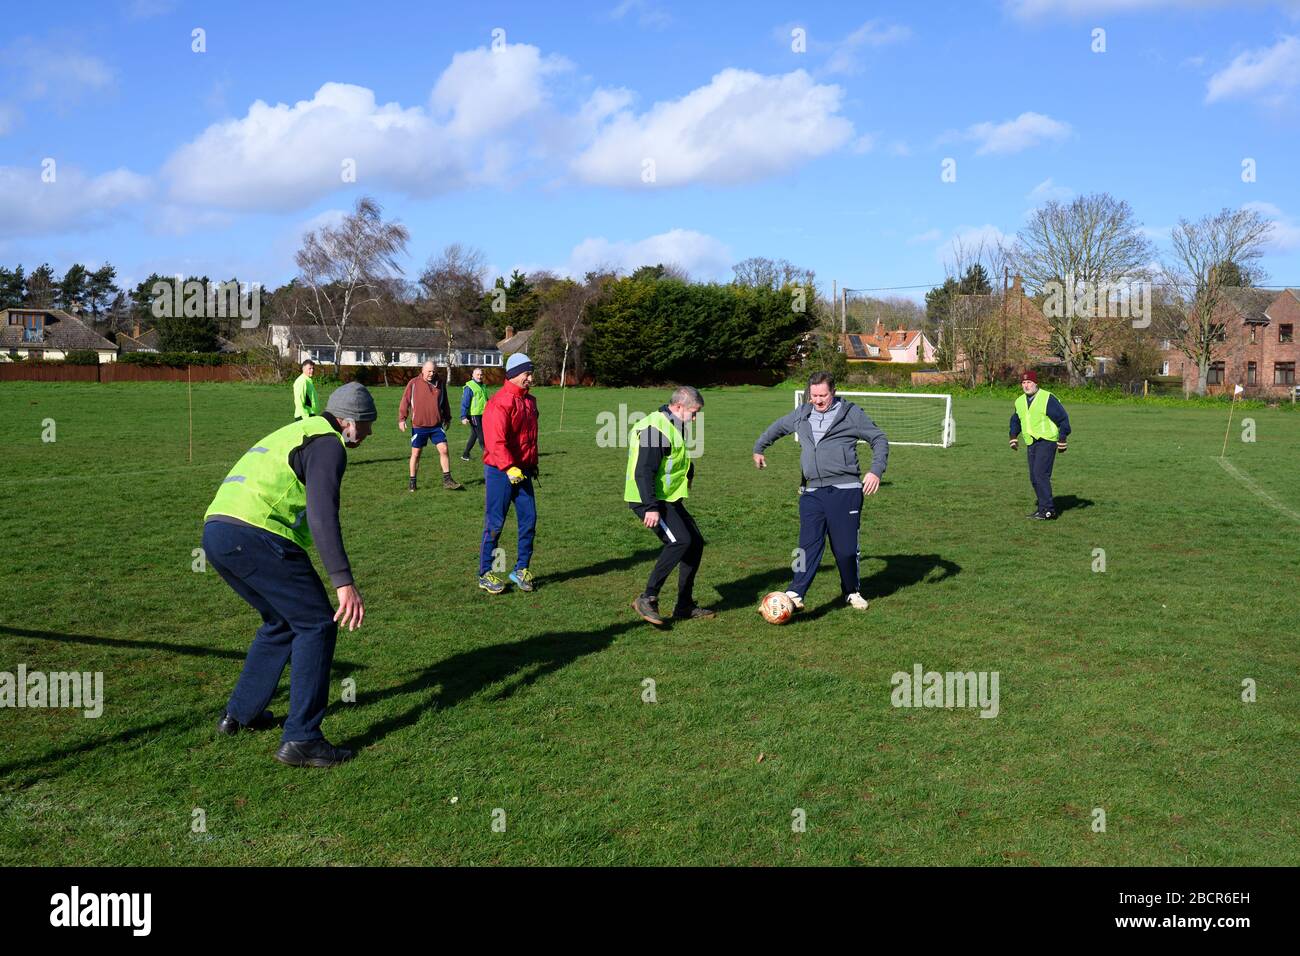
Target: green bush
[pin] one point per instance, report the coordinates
(181, 359)
(81, 357)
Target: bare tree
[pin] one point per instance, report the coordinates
(1094, 242)
(342, 267)
(453, 292)
(976, 338)
(1209, 256)
(761, 272)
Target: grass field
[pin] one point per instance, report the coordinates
(1119, 690)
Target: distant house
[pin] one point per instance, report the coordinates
(514, 341)
(385, 345)
(149, 342)
(49, 334)
(1257, 350)
(899, 345)
(1026, 333)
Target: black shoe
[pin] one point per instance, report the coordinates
(410, 485)
(464, 458)
(1049, 515)
(228, 725)
(312, 753)
(648, 608)
(1036, 513)
(1038, 516)
(693, 613)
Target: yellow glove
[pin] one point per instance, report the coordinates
(515, 475)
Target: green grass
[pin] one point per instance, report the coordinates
(1119, 690)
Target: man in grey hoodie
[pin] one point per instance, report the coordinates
(832, 489)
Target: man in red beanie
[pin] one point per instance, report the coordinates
(1041, 419)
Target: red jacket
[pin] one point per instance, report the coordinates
(510, 429)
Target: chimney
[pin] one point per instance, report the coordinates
(135, 328)
(510, 331)
(880, 329)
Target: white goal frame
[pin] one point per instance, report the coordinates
(949, 426)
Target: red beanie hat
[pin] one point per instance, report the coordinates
(1029, 376)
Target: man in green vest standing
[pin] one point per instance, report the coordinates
(473, 399)
(305, 403)
(659, 475)
(280, 498)
(1041, 419)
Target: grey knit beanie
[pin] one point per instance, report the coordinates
(352, 402)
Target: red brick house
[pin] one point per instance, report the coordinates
(1258, 349)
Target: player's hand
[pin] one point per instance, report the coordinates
(514, 474)
(402, 425)
(351, 608)
(870, 484)
(1061, 446)
(464, 421)
(1015, 444)
(651, 519)
(760, 461)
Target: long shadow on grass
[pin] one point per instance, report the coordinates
(1070, 502)
(463, 675)
(644, 556)
(900, 571)
(43, 761)
(184, 649)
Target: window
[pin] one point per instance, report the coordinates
(1164, 368)
(1215, 376)
(1284, 373)
(394, 358)
(321, 355)
(1165, 344)
(1286, 333)
(363, 356)
(1250, 373)
(1252, 335)
(33, 327)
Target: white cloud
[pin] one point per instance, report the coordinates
(846, 55)
(648, 13)
(1026, 130)
(1285, 236)
(1263, 72)
(284, 157)
(740, 127)
(1048, 190)
(58, 74)
(700, 255)
(73, 202)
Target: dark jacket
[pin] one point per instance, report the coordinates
(834, 459)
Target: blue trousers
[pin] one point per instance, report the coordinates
(276, 577)
(836, 512)
(499, 497)
(1042, 455)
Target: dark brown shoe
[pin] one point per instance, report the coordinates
(694, 612)
(648, 608)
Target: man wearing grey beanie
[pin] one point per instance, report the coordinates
(282, 497)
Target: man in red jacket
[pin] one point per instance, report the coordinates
(509, 466)
(425, 402)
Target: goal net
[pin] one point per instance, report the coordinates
(905, 417)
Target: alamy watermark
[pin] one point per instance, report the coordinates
(922, 688)
(614, 430)
(76, 689)
(195, 299)
(1084, 299)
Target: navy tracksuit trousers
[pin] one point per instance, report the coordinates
(1042, 455)
(836, 512)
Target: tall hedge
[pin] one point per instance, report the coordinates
(647, 330)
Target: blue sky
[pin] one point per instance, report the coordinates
(171, 160)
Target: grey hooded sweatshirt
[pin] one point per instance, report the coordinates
(832, 459)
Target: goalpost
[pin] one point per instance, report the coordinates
(907, 418)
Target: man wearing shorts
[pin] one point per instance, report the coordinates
(424, 402)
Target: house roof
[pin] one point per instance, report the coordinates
(876, 346)
(63, 332)
(387, 337)
(1250, 303)
(516, 343)
(148, 342)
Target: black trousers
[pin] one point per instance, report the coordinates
(475, 434)
(1042, 455)
(683, 549)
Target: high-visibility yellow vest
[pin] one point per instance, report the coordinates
(304, 397)
(1034, 423)
(262, 489)
(478, 399)
(670, 481)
